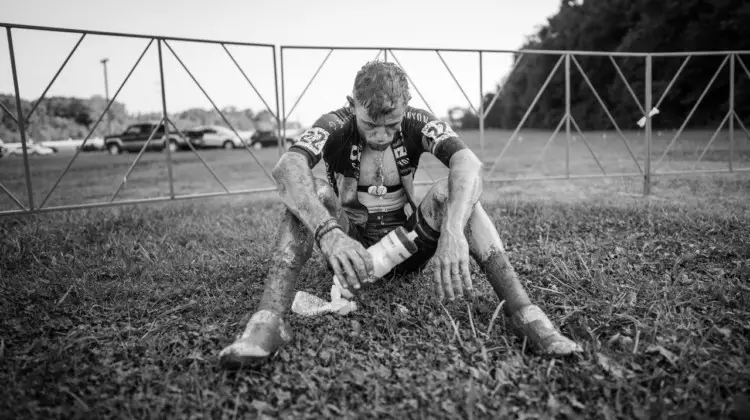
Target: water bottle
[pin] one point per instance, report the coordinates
(393, 249)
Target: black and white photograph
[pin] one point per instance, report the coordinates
(375, 209)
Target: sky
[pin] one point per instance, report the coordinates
(466, 24)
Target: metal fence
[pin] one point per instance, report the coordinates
(568, 61)
(162, 45)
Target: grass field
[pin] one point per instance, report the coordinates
(121, 312)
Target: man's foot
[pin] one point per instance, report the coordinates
(532, 323)
(265, 333)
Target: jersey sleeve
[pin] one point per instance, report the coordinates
(438, 138)
(312, 141)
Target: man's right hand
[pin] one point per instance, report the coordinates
(350, 261)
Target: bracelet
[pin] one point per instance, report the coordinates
(324, 228)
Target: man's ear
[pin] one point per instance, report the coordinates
(350, 100)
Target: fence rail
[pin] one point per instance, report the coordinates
(161, 42)
(568, 62)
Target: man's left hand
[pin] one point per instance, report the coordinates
(451, 265)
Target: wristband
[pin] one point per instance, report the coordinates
(324, 228)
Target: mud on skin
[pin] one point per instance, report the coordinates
(294, 244)
(293, 248)
(297, 188)
(486, 248)
(504, 280)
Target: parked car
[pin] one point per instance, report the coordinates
(66, 145)
(212, 136)
(32, 149)
(268, 137)
(36, 149)
(94, 144)
(135, 136)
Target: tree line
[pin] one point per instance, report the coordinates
(59, 118)
(579, 25)
(628, 26)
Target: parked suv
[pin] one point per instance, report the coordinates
(136, 135)
(270, 137)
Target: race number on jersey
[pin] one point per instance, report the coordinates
(313, 140)
(437, 131)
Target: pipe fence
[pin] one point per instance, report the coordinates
(636, 146)
(163, 47)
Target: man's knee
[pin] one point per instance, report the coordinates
(435, 203)
(439, 192)
(436, 200)
(432, 206)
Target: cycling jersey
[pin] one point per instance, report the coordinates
(335, 139)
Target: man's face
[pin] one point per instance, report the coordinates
(379, 132)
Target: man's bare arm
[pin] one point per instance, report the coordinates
(349, 259)
(296, 185)
(464, 189)
(451, 272)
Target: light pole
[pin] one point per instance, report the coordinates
(106, 94)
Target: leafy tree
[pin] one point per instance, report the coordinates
(629, 26)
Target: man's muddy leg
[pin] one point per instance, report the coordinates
(266, 330)
(526, 319)
(294, 245)
(293, 248)
(487, 249)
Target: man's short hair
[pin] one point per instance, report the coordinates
(379, 86)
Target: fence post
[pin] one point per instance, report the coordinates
(481, 106)
(165, 122)
(732, 57)
(282, 140)
(21, 121)
(283, 101)
(567, 115)
(647, 174)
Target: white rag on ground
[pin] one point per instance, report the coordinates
(307, 304)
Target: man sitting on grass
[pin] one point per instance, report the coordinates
(371, 150)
